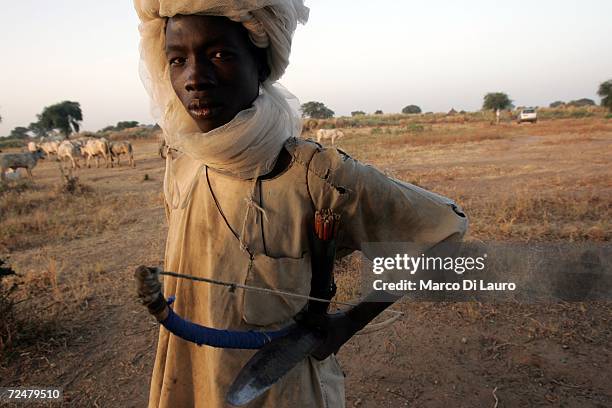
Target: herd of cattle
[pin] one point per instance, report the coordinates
(69, 152)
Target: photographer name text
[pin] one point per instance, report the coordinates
(430, 285)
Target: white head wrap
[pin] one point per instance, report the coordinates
(249, 144)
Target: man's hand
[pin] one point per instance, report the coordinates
(337, 327)
(149, 288)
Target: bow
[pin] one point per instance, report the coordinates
(149, 291)
(281, 349)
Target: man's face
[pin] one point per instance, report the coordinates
(213, 68)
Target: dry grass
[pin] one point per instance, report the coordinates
(373, 145)
(477, 117)
(7, 310)
(33, 214)
(35, 308)
(544, 182)
(530, 216)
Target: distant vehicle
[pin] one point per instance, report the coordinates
(527, 115)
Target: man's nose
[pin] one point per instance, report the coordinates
(201, 76)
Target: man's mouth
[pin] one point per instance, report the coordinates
(203, 109)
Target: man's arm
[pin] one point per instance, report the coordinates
(340, 327)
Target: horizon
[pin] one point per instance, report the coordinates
(351, 56)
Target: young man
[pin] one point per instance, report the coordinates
(241, 190)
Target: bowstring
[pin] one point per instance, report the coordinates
(371, 327)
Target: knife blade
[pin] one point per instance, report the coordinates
(271, 363)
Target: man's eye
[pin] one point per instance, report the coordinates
(176, 61)
(222, 55)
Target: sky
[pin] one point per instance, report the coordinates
(351, 55)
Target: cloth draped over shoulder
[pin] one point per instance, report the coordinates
(248, 145)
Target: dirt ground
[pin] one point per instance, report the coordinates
(84, 331)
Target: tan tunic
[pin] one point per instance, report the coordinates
(202, 241)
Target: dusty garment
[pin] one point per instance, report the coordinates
(202, 241)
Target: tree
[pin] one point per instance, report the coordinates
(557, 104)
(605, 91)
(496, 100)
(411, 109)
(578, 103)
(19, 132)
(37, 129)
(316, 110)
(378, 112)
(357, 113)
(64, 116)
(126, 124)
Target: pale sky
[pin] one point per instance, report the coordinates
(351, 55)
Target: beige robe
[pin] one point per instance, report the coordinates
(202, 241)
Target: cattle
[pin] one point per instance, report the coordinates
(333, 134)
(69, 151)
(20, 160)
(32, 147)
(309, 125)
(340, 123)
(96, 148)
(81, 141)
(49, 147)
(119, 148)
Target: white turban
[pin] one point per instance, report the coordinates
(271, 23)
(248, 145)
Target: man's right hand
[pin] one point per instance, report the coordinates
(148, 288)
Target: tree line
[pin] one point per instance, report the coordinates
(63, 118)
(491, 101)
(66, 117)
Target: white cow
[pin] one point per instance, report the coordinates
(69, 151)
(32, 147)
(333, 134)
(49, 147)
(96, 148)
(119, 148)
(82, 141)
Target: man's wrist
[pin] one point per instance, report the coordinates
(159, 308)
